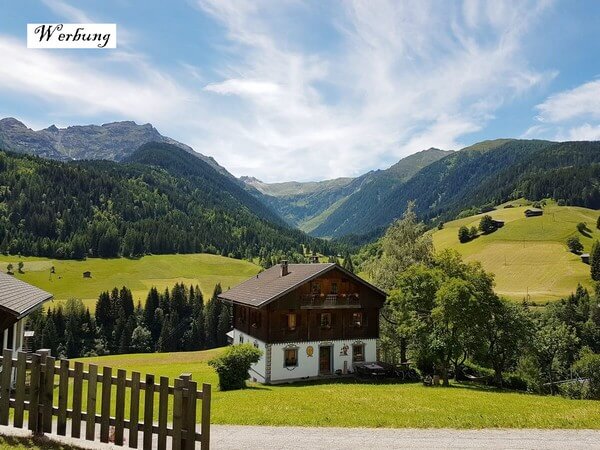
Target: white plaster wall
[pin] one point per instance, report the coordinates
(309, 366)
(258, 371)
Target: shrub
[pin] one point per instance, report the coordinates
(487, 225)
(574, 244)
(572, 390)
(514, 381)
(463, 234)
(233, 365)
(588, 366)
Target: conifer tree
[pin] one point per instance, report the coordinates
(595, 261)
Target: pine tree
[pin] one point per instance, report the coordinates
(595, 261)
(126, 300)
(224, 324)
(152, 303)
(348, 263)
(104, 317)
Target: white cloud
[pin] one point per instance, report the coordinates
(409, 75)
(571, 115)
(68, 11)
(400, 76)
(582, 101)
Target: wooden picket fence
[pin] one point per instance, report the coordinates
(28, 383)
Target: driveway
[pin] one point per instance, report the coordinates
(231, 437)
(234, 437)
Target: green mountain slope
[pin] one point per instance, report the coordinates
(490, 172)
(528, 256)
(308, 205)
(164, 200)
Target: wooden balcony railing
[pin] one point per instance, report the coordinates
(329, 301)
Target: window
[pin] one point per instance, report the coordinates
(334, 288)
(241, 339)
(357, 319)
(326, 320)
(358, 353)
(290, 357)
(289, 321)
(315, 288)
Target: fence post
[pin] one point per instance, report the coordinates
(20, 390)
(177, 409)
(185, 378)
(205, 424)
(148, 410)
(105, 408)
(48, 396)
(34, 394)
(5, 388)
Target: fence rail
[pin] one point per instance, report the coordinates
(28, 383)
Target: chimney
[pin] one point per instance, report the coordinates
(284, 267)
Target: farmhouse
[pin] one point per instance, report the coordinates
(309, 320)
(533, 212)
(17, 300)
(585, 258)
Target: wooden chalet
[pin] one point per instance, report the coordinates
(310, 320)
(17, 300)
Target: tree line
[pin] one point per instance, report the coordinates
(176, 319)
(103, 209)
(443, 314)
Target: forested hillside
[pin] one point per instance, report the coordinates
(107, 209)
(468, 180)
(308, 205)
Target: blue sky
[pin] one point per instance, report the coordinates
(292, 90)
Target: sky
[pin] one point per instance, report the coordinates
(293, 90)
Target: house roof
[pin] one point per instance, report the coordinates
(19, 298)
(270, 285)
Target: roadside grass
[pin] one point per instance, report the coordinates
(528, 256)
(349, 403)
(139, 274)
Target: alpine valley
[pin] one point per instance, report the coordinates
(125, 189)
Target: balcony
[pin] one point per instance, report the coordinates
(329, 301)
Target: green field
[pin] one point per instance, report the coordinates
(139, 275)
(352, 404)
(528, 256)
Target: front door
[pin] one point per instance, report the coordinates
(325, 360)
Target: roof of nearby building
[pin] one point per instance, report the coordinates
(271, 285)
(19, 298)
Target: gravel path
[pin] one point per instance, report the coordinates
(229, 437)
(234, 437)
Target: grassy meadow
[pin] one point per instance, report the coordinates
(139, 275)
(358, 404)
(528, 256)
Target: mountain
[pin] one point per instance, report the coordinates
(160, 200)
(466, 181)
(308, 205)
(111, 141)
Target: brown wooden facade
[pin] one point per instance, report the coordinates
(330, 307)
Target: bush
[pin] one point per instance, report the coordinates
(588, 366)
(463, 234)
(233, 365)
(514, 381)
(574, 244)
(487, 225)
(572, 390)
(582, 228)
